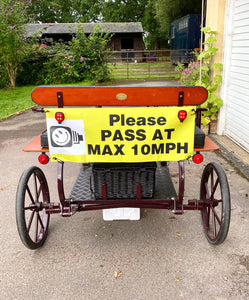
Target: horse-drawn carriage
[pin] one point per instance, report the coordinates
(123, 137)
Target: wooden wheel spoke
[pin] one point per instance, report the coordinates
(36, 227)
(40, 220)
(35, 184)
(214, 224)
(212, 179)
(215, 216)
(207, 190)
(30, 207)
(30, 195)
(30, 220)
(208, 217)
(214, 188)
(39, 192)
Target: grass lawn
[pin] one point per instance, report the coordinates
(15, 100)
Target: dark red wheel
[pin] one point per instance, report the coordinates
(31, 218)
(217, 206)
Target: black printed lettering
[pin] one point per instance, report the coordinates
(105, 134)
(170, 147)
(129, 133)
(145, 149)
(151, 121)
(157, 135)
(157, 149)
(93, 150)
(107, 150)
(135, 149)
(141, 121)
(122, 120)
(169, 131)
(117, 136)
(182, 147)
(130, 121)
(119, 149)
(113, 119)
(141, 135)
(161, 121)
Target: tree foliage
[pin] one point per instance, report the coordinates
(53, 11)
(13, 15)
(154, 37)
(124, 10)
(155, 15)
(169, 10)
(67, 11)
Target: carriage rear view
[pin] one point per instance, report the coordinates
(124, 139)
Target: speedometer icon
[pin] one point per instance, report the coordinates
(61, 136)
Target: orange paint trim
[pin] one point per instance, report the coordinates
(208, 146)
(118, 96)
(35, 146)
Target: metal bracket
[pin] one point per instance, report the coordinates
(180, 98)
(139, 192)
(60, 99)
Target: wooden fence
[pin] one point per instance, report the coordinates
(142, 64)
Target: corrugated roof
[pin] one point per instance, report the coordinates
(62, 28)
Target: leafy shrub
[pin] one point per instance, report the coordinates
(90, 54)
(32, 69)
(84, 58)
(4, 80)
(190, 76)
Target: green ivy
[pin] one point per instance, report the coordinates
(190, 76)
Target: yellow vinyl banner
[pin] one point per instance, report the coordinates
(123, 134)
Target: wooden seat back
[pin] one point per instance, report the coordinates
(118, 96)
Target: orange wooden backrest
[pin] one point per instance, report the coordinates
(118, 96)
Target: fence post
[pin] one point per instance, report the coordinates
(149, 65)
(127, 65)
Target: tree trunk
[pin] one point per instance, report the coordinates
(11, 74)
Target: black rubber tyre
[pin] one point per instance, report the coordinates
(214, 191)
(31, 218)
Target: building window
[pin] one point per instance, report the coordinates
(173, 33)
(183, 24)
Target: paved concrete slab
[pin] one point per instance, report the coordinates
(234, 153)
(161, 256)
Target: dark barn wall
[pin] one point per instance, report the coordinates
(128, 44)
(127, 38)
